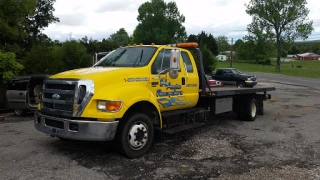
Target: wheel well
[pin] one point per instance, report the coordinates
(147, 108)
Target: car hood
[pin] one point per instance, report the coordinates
(103, 74)
(246, 75)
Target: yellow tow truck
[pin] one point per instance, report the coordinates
(136, 91)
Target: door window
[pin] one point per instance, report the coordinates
(161, 62)
(187, 61)
(18, 85)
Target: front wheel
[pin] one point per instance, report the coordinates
(135, 135)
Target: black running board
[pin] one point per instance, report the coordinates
(183, 128)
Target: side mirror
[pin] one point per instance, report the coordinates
(175, 59)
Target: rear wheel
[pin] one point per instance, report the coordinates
(19, 112)
(135, 135)
(240, 84)
(251, 110)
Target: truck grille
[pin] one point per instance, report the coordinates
(253, 79)
(58, 97)
(66, 97)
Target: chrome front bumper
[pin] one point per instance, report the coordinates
(251, 83)
(75, 129)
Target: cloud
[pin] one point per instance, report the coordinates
(112, 6)
(76, 19)
(100, 18)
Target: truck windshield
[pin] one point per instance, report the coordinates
(127, 57)
(235, 71)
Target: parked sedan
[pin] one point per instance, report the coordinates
(212, 82)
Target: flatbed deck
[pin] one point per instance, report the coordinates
(233, 90)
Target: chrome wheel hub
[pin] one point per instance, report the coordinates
(253, 109)
(138, 135)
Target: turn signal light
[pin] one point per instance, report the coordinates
(113, 105)
(109, 106)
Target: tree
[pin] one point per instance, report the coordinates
(294, 50)
(204, 39)
(160, 23)
(119, 38)
(41, 17)
(237, 44)
(283, 20)
(39, 59)
(9, 67)
(263, 43)
(223, 44)
(315, 48)
(12, 24)
(246, 50)
(71, 55)
(209, 61)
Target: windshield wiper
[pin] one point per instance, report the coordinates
(140, 58)
(112, 61)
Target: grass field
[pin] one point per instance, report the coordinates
(310, 69)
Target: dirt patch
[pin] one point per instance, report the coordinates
(199, 148)
(286, 172)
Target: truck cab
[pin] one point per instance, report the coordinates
(105, 101)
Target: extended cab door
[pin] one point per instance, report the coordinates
(191, 90)
(17, 94)
(168, 89)
(219, 75)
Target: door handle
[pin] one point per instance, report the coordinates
(20, 94)
(183, 81)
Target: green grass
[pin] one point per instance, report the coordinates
(309, 69)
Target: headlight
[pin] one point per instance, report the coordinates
(109, 106)
(248, 79)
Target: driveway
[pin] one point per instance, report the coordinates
(306, 82)
(282, 144)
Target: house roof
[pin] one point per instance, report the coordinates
(307, 54)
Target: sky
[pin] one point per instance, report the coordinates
(98, 19)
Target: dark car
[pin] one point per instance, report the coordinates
(234, 76)
(23, 93)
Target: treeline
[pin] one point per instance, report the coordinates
(24, 49)
(260, 52)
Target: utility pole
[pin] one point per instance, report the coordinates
(231, 52)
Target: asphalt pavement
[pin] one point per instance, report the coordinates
(290, 80)
(284, 143)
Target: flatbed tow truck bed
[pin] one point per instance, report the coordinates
(233, 90)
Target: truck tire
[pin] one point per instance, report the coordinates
(251, 109)
(19, 112)
(135, 135)
(241, 84)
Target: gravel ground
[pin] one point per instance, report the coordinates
(282, 144)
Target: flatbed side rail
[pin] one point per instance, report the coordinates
(216, 92)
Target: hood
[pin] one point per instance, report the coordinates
(246, 75)
(102, 74)
(86, 73)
